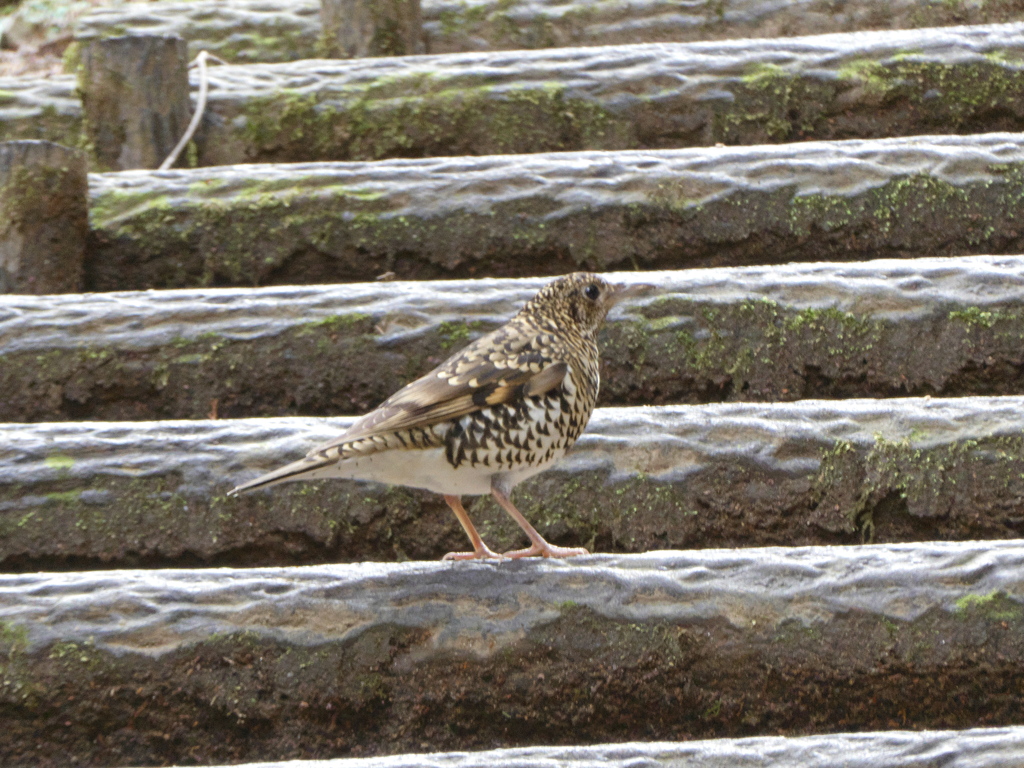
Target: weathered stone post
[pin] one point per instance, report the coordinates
(357, 28)
(135, 93)
(43, 217)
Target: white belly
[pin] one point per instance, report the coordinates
(424, 468)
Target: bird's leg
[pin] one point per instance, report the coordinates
(538, 547)
(480, 550)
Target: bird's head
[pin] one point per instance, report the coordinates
(580, 301)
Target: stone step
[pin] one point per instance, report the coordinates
(256, 31)
(553, 213)
(812, 472)
(33, 107)
(239, 31)
(872, 329)
(974, 748)
(945, 80)
(184, 666)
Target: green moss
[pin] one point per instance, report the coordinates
(771, 102)
(960, 91)
(833, 465)
(258, 45)
(349, 322)
(588, 509)
(911, 208)
(13, 638)
(64, 497)
(16, 682)
(72, 58)
(927, 478)
(60, 462)
(746, 340)
(870, 74)
(995, 606)
(423, 115)
(629, 341)
(243, 238)
(975, 317)
(115, 203)
(955, 91)
(764, 75)
(455, 334)
(712, 711)
(71, 653)
(823, 212)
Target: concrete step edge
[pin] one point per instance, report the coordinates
(811, 472)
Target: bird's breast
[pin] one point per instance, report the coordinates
(529, 433)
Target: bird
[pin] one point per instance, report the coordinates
(499, 411)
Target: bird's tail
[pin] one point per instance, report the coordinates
(309, 468)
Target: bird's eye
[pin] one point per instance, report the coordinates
(592, 292)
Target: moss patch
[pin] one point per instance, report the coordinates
(420, 116)
(901, 491)
(295, 232)
(772, 103)
(932, 484)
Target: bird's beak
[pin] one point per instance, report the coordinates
(622, 291)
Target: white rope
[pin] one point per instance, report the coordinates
(200, 61)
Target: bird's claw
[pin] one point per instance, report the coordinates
(484, 553)
(547, 550)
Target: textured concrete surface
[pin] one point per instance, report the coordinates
(258, 31)
(553, 213)
(480, 608)
(494, 24)
(875, 329)
(226, 665)
(663, 95)
(240, 31)
(955, 80)
(152, 493)
(974, 748)
(40, 108)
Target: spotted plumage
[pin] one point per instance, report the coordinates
(499, 411)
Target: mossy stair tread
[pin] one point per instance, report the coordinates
(555, 212)
(617, 97)
(872, 84)
(810, 472)
(238, 30)
(944, 326)
(893, 748)
(897, 289)
(406, 646)
(40, 108)
(460, 602)
(252, 30)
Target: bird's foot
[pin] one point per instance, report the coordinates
(483, 553)
(546, 550)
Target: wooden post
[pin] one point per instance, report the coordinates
(358, 28)
(135, 94)
(43, 217)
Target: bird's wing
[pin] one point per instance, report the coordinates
(495, 369)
